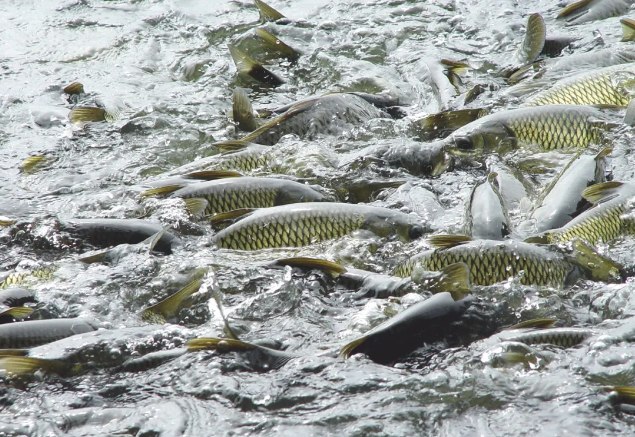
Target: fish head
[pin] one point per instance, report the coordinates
(479, 138)
(423, 159)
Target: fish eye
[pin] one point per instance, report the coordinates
(463, 143)
(415, 232)
(427, 169)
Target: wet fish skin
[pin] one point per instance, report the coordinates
(424, 322)
(302, 224)
(38, 332)
(564, 337)
(420, 159)
(486, 214)
(493, 261)
(583, 11)
(548, 127)
(150, 361)
(562, 199)
(248, 192)
(606, 86)
(112, 232)
(16, 278)
(327, 114)
(605, 221)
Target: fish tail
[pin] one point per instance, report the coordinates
(243, 113)
(169, 307)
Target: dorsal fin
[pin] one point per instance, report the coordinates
(534, 323)
(603, 153)
(231, 146)
(230, 215)
(629, 116)
(576, 8)
(625, 394)
(161, 191)
(246, 65)
(212, 175)
(628, 29)
(326, 266)
(169, 307)
(242, 111)
(83, 114)
(267, 13)
(598, 192)
(214, 343)
(448, 241)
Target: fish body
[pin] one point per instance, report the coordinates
(327, 114)
(234, 193)
(112, 232)
(38, 332)
(486, 215)
(16, 278)
(493, 261)
(424, 322)
(306, 223)
(607, 86)
(547, 127)
(424, 159)
(608, 219)
(562, 199)
(564, 337)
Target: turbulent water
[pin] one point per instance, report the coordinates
(166, 65)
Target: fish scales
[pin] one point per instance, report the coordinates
(17, 278)
(564, 337)
(609, 86)
(604, 222)
(491, 263)
(555, 131)
(306, 223)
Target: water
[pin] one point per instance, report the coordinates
(166, 64)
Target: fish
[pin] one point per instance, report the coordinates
(327, 114)
(273, 45)
(453, 278)
(609, 218)
(612, 85)
(6, 221)
(38, 332)
(563, 337)
(424, 322)
(486, 216)
(16, 296)
(562, 199)
(441, 124)
(15, 313)
(302, 224)
(111, 232)
(250, 67)
(583, 11)
(74, 88)
(88, 350)
(226, 195)
(492, 261)
(150, 360)
(419, 159)
(260, 358)
(549, 127)
(16, 278)
(168, 308)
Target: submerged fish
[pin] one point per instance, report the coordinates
(37, 332)
(226, 195)
(16, 278)
(496, 261)
(548, 127)
(425, 159)
(87, 350)
(260, 358)
(613, 85)
(610, 217)
(453, 279)
(562, 199)
(424, 322)
(112, 232)
(486, 214)
(303, 224)
(327, 114)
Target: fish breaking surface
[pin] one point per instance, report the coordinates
(317, 218)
